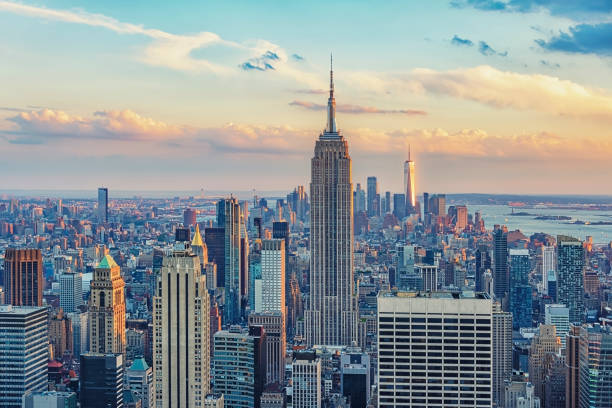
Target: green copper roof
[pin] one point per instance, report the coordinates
(139, 365)
(107, 262)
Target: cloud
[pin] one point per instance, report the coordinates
(311, 91)
(568, 8)
(297, 57)
(261, 63)
(356, 109)
(582, 39)
(461, 41)
(486, 50)
(505, 89)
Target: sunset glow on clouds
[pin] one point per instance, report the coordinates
(244, 102)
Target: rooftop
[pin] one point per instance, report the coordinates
(107, 262)
(466, 294)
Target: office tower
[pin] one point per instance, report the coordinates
(500, 258)
(276, 343)
(80, 333)
(552, 285)
(60, 335)
(215, 242)
(519, 393)
(306, 369)
(387, 206)
(228, 217)
(595, 366)
(399, 206)
(139, 379)
(554, 381)
(570, 284)
(545, 342)
(426, 209)
(558, 316)
(428, 275)
(437, 205)
(189, 217)
(502, 352)
(360, 199)
(483, 263)
(280, 230)
(24, 346)
(101, 380)
(273, 276)
(181, 356)
(49, 399)
(71, 291)
(449, 360)
(548, 265)
(107, 309)
(331, 318)
(461, 217)
(182, 234)
(520, 290)
(355, 377)
(23, 280)
(373, 197)
(199, 247)
(409, 187)
(239, 365)
(103, 205)
(572, 362)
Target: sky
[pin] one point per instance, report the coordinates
(492, 96)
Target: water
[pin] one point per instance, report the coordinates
(500, 214)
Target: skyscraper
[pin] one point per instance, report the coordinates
(306, 370)
(409, 187)
(23, 281)
(101, 380)
(228, 217)
(558, 316)
(189, 217)
(520, 290)
(570, 283)
(239, 365)
(276, 343)
(545, 342)
(181, 356)
(71, 291)
(548, 265)
(483, 263)
(500, 258)
(373, 196)
(107, 309)
(399, 206)
(502, 352)
(273, 276)
(103, 205)
(331, 318)
(435, 349)
(215, 242)
(24, 346)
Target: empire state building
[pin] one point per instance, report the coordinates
(331, 317)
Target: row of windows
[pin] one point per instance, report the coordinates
(435, 320)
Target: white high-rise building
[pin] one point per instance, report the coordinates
(306, 369)
(331, 317)
(273, 275)
(24, 352)
(548, 265)
(71, 291)
(181, 356)
(409, 187)
(558, 315)
(435, 349)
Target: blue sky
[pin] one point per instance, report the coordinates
(494, 96)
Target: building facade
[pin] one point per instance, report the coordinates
(306, 370)
(435, 349)
(181, 355)
(24, 351)
(107, 309)
(570, 279)
(331, 318)
(101, 380)
(23, 281)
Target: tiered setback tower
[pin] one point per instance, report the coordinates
(331, 318)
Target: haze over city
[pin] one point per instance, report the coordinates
(493, 96)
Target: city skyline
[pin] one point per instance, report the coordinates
(135, 99)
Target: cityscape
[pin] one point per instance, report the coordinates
(276, 266)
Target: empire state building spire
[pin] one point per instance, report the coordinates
(331, 102)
